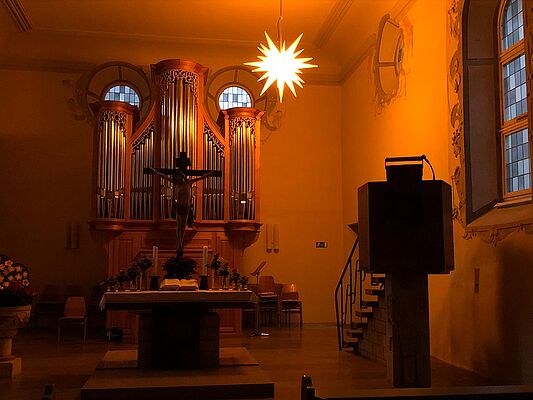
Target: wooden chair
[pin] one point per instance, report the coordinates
(75, 313)
(290, 303)
(270, 301)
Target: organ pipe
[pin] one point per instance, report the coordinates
(179, 123)
(242, 127)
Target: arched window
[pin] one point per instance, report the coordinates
(494, 109)
(234, 96)
(124, 93)
(513, 101)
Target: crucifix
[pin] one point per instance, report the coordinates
(182, 193)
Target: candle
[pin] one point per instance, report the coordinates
(155, 258)
(204, 261)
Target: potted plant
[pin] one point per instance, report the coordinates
(143, 263)
(121, 278)
(244, 282)
(16, 297)
(224, 273)
(132, 273)
(179, 268)
(235, 278)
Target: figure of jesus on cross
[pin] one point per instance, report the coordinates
(182, 193)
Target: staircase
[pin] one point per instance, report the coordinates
(361, 309)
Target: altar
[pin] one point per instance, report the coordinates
(178, 329)
(179, 354)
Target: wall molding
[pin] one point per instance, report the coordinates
(332, 22)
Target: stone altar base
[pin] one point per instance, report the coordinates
(10, 368)
(238, 377)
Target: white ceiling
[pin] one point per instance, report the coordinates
(334, 30)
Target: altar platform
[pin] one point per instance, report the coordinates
(238, 376)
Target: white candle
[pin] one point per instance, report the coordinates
(204, 261)
(155, 258)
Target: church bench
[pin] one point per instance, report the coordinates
(507, 392)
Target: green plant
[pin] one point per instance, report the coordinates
(216, 263)
(235, 276)
(179, 268)
(15, 287)
(122, 277)
(132, 272)
(143, 263)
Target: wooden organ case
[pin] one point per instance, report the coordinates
(133, 210)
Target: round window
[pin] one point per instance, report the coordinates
(123, 93)
(234, 96)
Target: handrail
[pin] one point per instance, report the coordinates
(340, 315)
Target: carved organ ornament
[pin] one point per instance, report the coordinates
(458, 121)
(127, 199)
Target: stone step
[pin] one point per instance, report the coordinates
(351, 340)
(364, 312)
(353, 332)
(375, 291)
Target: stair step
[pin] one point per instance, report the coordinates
(351, 340)
(375, 291)
(364, 312)
(354, 332)
(370, 303)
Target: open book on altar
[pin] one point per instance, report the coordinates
(179, 284)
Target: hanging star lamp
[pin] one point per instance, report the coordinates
(280, 64)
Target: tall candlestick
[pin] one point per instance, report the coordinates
(155, 258)
(204, 260)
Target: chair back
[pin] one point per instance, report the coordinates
(289, 292)
(266, 285)
(75, 307)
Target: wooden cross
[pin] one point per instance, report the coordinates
(182, 192)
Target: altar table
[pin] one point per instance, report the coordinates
(178, 329)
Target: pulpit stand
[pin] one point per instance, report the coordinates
(407, 296)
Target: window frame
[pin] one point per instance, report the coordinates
(123, 83)
(519, 122)
(233, 84)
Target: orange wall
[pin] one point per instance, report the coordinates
(301, 192)
(489, 332)
(46, 168)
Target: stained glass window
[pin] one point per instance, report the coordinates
(123, 93)
(514, 88)
(514, 127)
(234, 96)
(517, 161)
(512, 24)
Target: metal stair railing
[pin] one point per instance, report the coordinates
(346, 294)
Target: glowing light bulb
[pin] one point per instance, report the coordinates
(281, 65)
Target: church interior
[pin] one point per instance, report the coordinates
(102, 102)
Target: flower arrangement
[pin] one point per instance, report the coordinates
(235, 278)
(244, 282)
(216, 263)
(121, 278)
(224, 273)
(15, 287)
(143, 263)
(179, 268)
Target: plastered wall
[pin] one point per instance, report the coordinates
(45, 173)
(490, 331)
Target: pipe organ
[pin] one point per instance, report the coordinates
(177, 122)
(137, 207)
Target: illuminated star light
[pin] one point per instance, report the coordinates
(281, 65)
